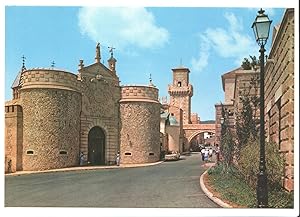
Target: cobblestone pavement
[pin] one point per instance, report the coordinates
(169, 184)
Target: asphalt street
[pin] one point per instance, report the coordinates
(167, 185)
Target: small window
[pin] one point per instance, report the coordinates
(30, 152)
(151, 154)
(63, 152)
(179, 84)
(127, 153)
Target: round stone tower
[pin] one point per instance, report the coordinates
(140, 123)
(51, 102)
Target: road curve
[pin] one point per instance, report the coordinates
(167, 185)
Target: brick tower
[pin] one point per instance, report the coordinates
(180, 93)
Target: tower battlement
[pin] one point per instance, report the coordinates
(139, 93)
(16, 109)
(49, 78)
(186, 90)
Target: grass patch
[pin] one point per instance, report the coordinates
(234, 189)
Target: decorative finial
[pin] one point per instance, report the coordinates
(23, 63)
(180, 61)
(111, 51)
(52, 64)
(150, 79)
(261, 11)
(81, 64)
(98, 55)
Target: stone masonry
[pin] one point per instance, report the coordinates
(14, 138)
(140, 124)
(49, 121)
(181, 92)
(100, 106)
(279, 93)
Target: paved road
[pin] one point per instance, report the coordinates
(170, 184)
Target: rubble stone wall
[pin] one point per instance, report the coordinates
(51, 128)
(140, 125)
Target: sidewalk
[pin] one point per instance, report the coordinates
(83, 168)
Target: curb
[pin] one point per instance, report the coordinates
(83, 168)
(210, 195)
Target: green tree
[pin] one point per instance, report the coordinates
(247, 116)
(254, 62)
(247, 65)
(227, 141)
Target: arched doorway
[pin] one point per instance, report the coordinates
(96, 146)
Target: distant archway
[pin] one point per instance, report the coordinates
(96, 146)
(194, 134)
(200, 139)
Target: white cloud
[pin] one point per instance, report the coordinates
(227, 43)
(122, 27)
(201, 62)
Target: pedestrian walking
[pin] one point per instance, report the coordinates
(210, 152)
(81, 157)
(218, 153)
(206, 155)
(202, 153)
(118, 158)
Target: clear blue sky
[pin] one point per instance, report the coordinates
(209, 41)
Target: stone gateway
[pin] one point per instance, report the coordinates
(57, 118)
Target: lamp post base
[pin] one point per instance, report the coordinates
(262, 190)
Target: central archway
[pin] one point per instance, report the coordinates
(96, 146)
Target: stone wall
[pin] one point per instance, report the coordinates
(110, 126)
(279, 94)
(100, 107)
(140, 125)
(50, 78)
(180, 97)
(192, 130)
(13, 138)
(245, 86)
(195, 119)
(181, 92)
(174, 141)
(229, 90)
(231, 120)
(139, 93)
(51, 128)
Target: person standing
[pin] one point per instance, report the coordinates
(81, 157)
(118, 158)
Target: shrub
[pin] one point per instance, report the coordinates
(248, 163)
(281, 199)
(227, 147)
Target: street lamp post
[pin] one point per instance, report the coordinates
(261, 28)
